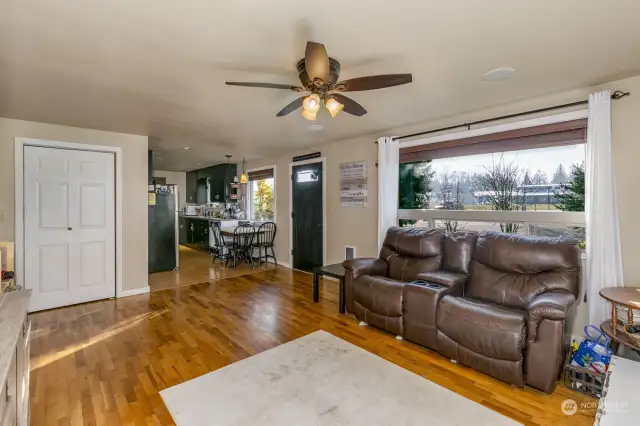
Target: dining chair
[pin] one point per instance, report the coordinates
(221, 247)
(242, 243)
(266, 235)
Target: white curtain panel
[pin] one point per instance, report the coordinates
(388, 170)
(604, 258)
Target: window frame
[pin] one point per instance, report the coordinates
(495, 216)
(248, 192)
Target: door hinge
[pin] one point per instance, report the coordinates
(292, 251)
(292, 177)
(291, 215)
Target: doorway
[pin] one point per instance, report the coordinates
(68, 226)
(307, 215)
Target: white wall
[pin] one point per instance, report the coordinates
(134, 196)
(175, 178)
(353, 226)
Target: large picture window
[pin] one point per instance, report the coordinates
(505, 177)
(261, 195)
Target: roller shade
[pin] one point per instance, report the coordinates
(549, 135)
(260, 174)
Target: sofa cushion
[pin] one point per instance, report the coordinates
(413, 242)
(458, 251)
(491, 330)
(380, 295)
(409, 251)
(512, 269)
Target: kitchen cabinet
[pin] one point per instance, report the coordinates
(192, 187)
(220, 179)
(183, 227)
(196, 231)
(203, 190)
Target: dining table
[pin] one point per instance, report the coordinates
(227, 231)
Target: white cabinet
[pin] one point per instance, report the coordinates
(8, 404)
(22, 374)
(14, 398)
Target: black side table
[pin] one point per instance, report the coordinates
(336, 271)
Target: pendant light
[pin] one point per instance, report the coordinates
(243, 177)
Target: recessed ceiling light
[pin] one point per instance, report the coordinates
(316, 127)
(199, 162)
(186, 148)
(498, 74)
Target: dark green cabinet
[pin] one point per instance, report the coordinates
(220, 180)
(192, 187)
(183, 226)
(194, 231)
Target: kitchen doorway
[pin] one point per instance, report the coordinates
(307, 224)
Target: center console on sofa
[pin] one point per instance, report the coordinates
(492, 301)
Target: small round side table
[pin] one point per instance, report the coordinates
(628, 297)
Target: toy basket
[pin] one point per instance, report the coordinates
(583, 380)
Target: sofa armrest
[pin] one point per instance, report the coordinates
(365, 266)
(553, 305)
(356, 267)
(442, 277)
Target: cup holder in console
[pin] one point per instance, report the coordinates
(427, 284)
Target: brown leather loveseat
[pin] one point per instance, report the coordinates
(492, 301)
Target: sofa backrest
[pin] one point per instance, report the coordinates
(511, 269)
(410, 251)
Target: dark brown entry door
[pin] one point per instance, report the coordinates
(306, 216)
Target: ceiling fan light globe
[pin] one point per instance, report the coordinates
(309, 115)
(311, 103)
(334, 107)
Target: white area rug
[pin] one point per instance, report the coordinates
(320, 379)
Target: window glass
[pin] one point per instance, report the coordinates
(306, 176)
(261, 199)
(535, 179)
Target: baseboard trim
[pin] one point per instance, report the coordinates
(285, 264)
(134, 292)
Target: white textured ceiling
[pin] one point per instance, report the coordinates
(157, 67)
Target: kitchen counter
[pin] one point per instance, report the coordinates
(184, 216)
(12, 314)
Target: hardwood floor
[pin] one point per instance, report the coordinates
(103, 363)
(196, 267)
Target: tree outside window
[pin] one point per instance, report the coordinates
(262, 199)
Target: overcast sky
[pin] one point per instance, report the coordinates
(545, 159)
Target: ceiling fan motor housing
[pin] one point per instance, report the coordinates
(319, 86)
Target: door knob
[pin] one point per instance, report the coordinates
(69, 228)
(320, 226)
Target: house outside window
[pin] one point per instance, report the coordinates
(261, 195)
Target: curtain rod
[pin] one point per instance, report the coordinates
(615, 95)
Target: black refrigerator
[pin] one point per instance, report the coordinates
(163, 228)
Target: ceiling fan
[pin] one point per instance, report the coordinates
(319, 75)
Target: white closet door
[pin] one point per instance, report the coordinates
(69, 215)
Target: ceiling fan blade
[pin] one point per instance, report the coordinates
(374, 82)
(350, 106)
(291, 107)
(264, 85)
(316, 61)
